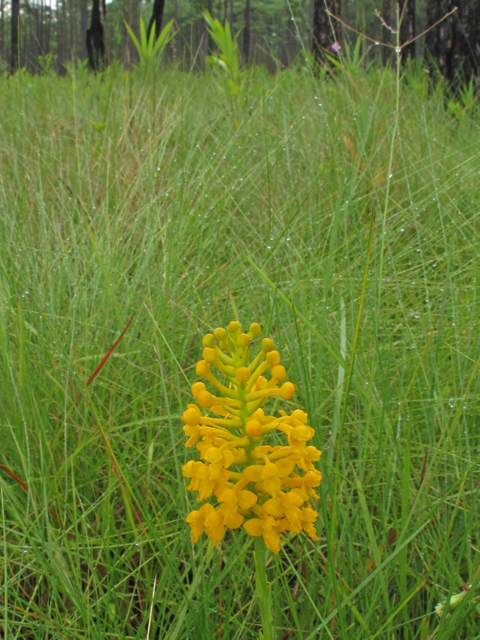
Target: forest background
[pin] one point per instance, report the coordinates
(52, 33)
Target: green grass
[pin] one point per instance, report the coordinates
(110, 209)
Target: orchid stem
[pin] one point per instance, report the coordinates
(263, 590)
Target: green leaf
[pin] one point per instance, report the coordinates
(134, 38)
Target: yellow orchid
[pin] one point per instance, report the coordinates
(256, 485)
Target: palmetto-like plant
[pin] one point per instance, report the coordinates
(150, 48)
(227, 59)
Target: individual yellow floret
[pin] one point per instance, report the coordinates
(253, 428)
(278, 372)
(255, 329)
(203, 368)
(267, 345)
(220, 334)
(287, 390)
(234, 327)
(209, 355)
(243, 340)
(192, 415)
(273, 357)
(197, 387)
(242, 374)
(206, 399)
(208, 340)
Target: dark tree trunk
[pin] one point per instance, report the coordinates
(157, 17)
(246, 33)
(73, 32)
(64, 31)
(325, 28)
(95, 42)
(439, 40)
(407, 28)
(14, 38)
(386, 33)
(2, 32)
(454, 44)
(48, 25)
(83, 28)
(36, 44)
(209, 37)
(23, 50)
(105, 33)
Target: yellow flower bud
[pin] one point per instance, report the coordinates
(196, 388)
(220, 334)
(234, 327)
(267, 345)
(278, 372)
(253, 428)
(287, 390)
(255, 329)
(208, 340)
(273, 357)
(243, 340)
(192, 416)
(209, 355)
(242, 374)
(205, 399)
(202, 369)
(223, 345)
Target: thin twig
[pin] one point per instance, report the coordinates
(385, 44)
(377, 13)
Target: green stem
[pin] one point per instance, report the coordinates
(263, 591)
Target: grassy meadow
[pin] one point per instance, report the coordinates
(169, 207)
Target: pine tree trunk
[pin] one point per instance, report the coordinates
(246, 33)
(23, 50)
(325, 28)
(2, 30)
(64, 31)
(14, 37)
(83, 28)
(73, 32)
(157, 17)
(210, 42)
(95, 42)
(407, 28)
(454, 44)
(386, 33)
(41, 18)
(105, 33)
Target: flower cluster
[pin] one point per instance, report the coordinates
(265, 488)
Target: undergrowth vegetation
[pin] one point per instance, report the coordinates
(178, 218)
